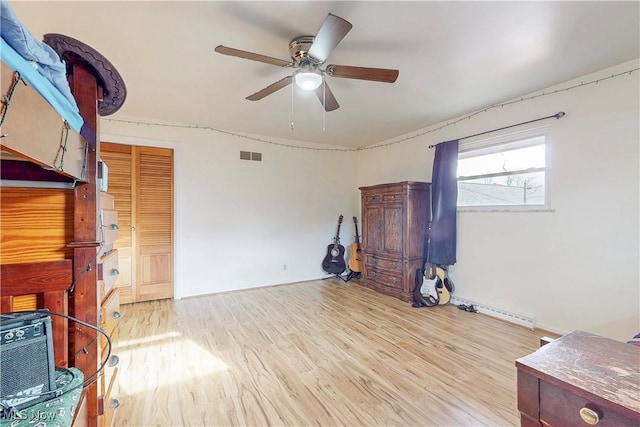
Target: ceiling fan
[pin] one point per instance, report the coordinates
(308, 54)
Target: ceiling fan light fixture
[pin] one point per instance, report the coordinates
(307, 78)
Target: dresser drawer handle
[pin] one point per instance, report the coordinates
(114, 403)
(394, 265)
(394, 280)
(114, 361)
(116, 315)
(374, 274)
(590, 416)
(115, 272)
(114, 227)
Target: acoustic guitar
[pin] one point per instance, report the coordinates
(334, 262)
(355, 258)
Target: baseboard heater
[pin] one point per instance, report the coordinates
(520, 319)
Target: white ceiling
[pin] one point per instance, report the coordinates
(453, 57)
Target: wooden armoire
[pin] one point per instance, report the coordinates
(395, 221)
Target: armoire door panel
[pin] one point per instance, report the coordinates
(393, 230)
(372, 222)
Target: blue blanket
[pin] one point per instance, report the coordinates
(38, 64)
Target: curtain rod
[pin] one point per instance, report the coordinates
(555, 116)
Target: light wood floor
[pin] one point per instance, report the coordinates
(324, 353)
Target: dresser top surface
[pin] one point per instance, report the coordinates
(600, 366)
(409, 184)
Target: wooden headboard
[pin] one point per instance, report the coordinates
(49, 283)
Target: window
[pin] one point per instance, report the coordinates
(503, 172)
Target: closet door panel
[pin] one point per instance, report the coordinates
(141, 181)
(118, 159)
(155, 273)
(154, 223)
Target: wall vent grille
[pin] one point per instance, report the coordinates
(249, 155)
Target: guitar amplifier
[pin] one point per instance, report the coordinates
(27, 370)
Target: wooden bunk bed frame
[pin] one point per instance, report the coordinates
(70, 285)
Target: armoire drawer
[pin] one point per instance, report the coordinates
(110, 314)
(107, 201)
(108, 272)
(110, 401)
(385, 279)
(109, 390)
(110, 227)
(110, 370)
(379, 263)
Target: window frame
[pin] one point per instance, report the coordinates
(505, 142)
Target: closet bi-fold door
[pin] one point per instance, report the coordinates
(141, 181)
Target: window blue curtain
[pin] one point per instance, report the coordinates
(444, 199)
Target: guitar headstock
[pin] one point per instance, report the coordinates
(355, 220)
(340, 219)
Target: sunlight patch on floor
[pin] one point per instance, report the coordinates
(146, 340)
(163, 364)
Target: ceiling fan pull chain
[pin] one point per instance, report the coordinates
(291, 107)
(324, 110)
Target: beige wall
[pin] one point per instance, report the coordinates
(238, 222)
(574, 267)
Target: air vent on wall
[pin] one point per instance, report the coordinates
(247, 155)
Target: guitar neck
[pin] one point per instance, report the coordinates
(355, 224)
(336, 240)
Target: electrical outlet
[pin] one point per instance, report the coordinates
(284, 267)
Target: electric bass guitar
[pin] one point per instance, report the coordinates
(434, 278)
(334, 262)
(355, 259)
(437, 280)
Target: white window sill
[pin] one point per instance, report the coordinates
(537, 208)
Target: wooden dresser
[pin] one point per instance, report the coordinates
(395, 221)
(109, 296)
(580, 379)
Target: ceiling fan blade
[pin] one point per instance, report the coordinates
(331, 32)
(252, 56)
(363, 73)
(270, 89)
(326, 98)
